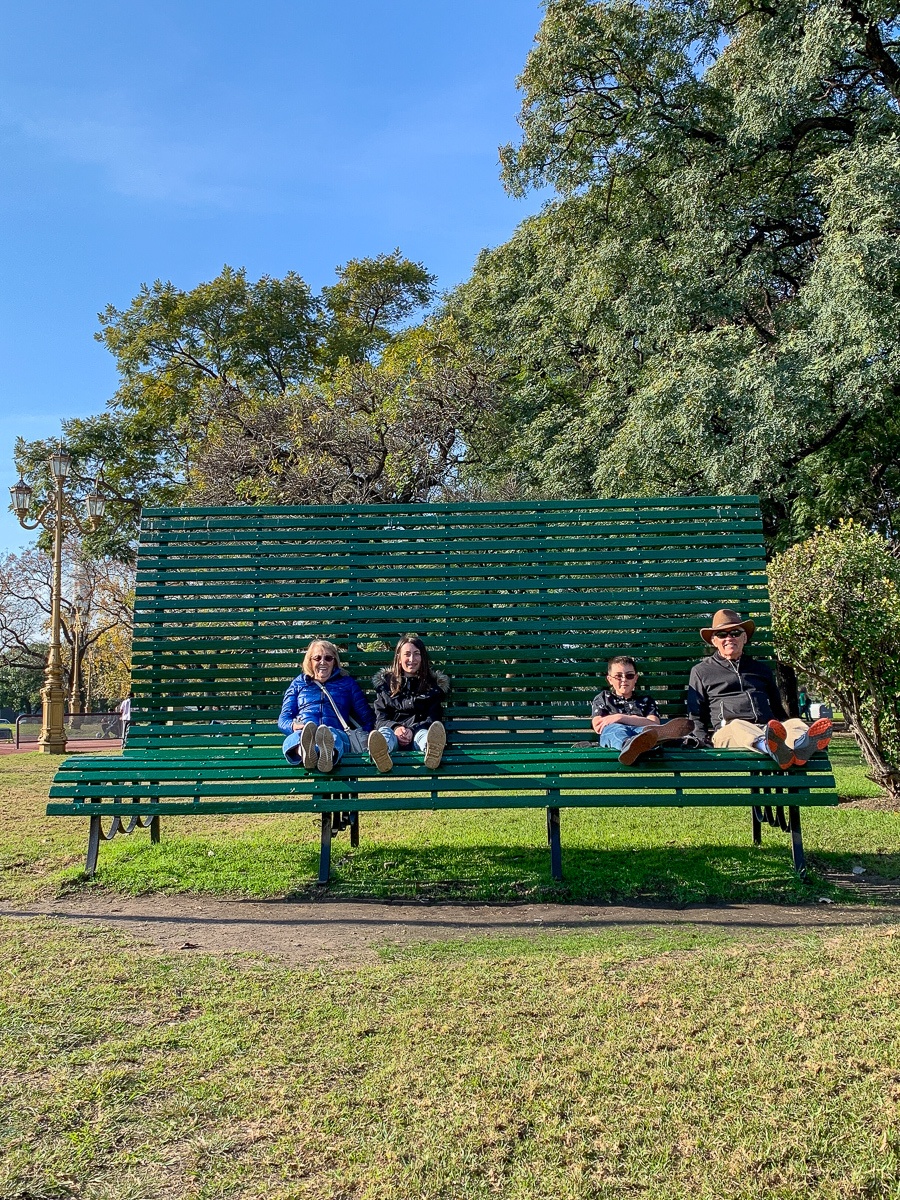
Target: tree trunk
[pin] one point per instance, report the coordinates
(881, 771)
(786, 678)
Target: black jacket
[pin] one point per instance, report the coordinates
(414, 706)
(720, 691)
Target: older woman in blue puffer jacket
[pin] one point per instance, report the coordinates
(315, 736)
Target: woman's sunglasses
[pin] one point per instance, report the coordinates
(323, 658)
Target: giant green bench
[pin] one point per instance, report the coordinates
(521, 603)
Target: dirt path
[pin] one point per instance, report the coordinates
(349, 933)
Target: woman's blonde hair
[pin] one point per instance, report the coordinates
(330, 646)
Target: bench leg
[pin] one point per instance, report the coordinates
(93, 847)
(325, 850)
(757, 826)
(354, 829)
(555, 844)
(154, 829)
(797, 842)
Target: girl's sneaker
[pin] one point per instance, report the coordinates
(378, 751)
(434, 745)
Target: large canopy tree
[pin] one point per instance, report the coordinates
(711, 302)
(226, 389)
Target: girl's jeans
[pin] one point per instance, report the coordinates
(290, 746)
(617, 736)
(420, 738)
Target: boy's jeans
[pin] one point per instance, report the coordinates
(420, 739)
(617, 736)
(292, 741)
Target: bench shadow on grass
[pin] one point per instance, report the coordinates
(670, 875)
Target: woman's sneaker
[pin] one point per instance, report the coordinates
(434, 745)
(378, 751)
(308, 745)
(325, 744)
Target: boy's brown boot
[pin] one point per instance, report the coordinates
(639, 745)
(674, 730)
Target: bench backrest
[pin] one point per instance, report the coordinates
(521, 604)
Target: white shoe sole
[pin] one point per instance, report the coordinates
(308, 745)
(378, 751)
(434, 746)
(325, 743)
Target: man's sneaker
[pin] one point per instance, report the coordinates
(308, 744)
(820, 732)
(815, 738)
(325, 743)
(378, 751)
(640, 744)
(777, 747)
(674, 730)
(434, 745)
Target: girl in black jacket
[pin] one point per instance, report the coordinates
(409, 706)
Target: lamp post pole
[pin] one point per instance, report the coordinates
(53, 731)
(79, 625)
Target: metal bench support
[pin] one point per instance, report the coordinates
(555, 843)
(325, 850)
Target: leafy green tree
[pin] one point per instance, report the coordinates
(213, 367)
(392, 431)
(21, 681)
(710, 303)
(836, 618)
(370, 301)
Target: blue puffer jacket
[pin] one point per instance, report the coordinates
(304, 701)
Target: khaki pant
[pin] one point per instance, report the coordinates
(741, 735)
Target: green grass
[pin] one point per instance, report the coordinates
(662, 1064)
(659, 855)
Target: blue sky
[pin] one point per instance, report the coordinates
(162, 140)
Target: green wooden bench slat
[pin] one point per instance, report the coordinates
(413, 803)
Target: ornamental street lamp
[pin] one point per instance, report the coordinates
(56, 514)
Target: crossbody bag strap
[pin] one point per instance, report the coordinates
(325, 692)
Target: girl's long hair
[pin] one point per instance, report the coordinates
(425, 673)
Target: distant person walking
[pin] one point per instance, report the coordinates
(124, 711)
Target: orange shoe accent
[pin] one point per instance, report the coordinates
(777, 746)
(820, 732)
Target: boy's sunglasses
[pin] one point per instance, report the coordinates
(732, 633)
(323, 658)
(628, 675)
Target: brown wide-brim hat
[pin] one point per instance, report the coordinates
(727, 618)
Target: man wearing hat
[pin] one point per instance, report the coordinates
(737, 697)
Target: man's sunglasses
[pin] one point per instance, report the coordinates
(323, 658)
(732, 633)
